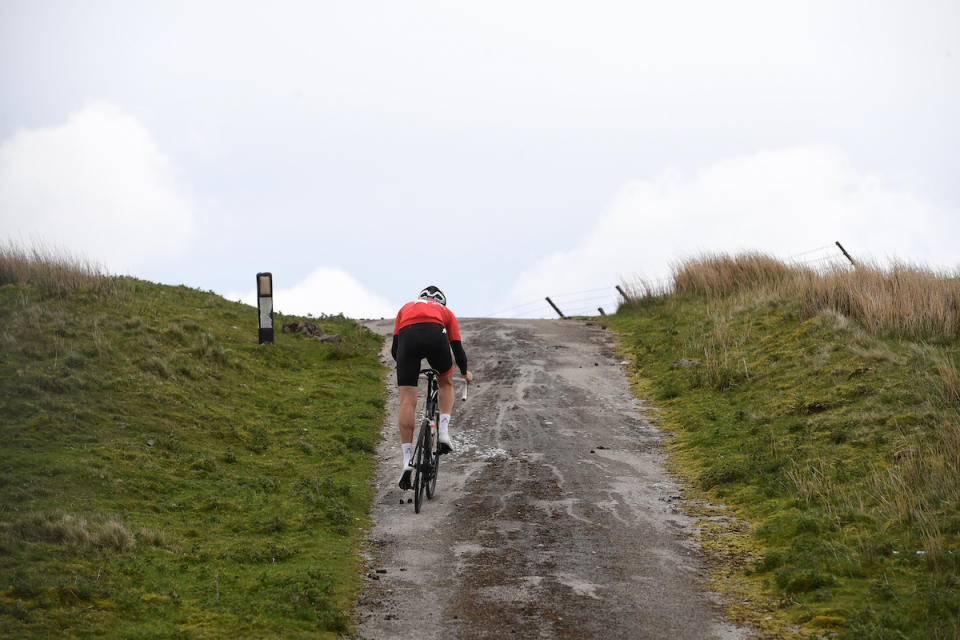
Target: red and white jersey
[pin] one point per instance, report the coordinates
(427, 311)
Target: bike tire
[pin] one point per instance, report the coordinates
(421, 462)
(434, 467)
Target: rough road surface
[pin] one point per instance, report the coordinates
(552, 519)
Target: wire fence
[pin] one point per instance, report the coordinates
(603, 300)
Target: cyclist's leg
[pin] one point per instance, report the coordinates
(446, 394)
(445, 405)
(408, 403)
(439, 356)
(408, 372)
(409, 353)
(408, 406)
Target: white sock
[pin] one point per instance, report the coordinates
(407, 450)
(444, 424)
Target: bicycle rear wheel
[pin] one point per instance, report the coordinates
(421, 465)
(434, 467)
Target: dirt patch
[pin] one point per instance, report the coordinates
(552, 519)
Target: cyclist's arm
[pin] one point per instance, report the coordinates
(459, 355)
(393, 348)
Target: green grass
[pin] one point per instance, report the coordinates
(163, 476)
(837, 451)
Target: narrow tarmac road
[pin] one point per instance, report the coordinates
(552, 519)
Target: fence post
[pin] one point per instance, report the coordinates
(560, 313)
(600, 309)
(846, 254)
(625, 298)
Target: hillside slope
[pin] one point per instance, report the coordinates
(836, 448)
(162, 475)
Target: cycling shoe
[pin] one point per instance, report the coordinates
(405, 478)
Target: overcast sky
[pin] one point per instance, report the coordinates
(504, 151)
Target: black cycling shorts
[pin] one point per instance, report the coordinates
(422, 340)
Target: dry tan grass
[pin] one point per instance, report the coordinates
(907, 300)
(57, 272)
(113, 535)
(904, 299)
(949, 379)
(63, 528)
(722, 275)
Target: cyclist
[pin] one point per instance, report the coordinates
(426, 328)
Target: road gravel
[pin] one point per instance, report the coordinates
(554, 518)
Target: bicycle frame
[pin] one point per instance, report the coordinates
(431, 404)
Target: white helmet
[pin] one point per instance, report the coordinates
(434, 293)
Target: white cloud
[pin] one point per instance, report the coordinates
(781, 202)
(97, 186)
(325, 291)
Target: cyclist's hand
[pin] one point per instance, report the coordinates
(468, 376)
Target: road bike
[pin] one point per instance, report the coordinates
(426, 451)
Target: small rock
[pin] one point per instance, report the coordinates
(381, 570)
(409, 500)
(150, 443)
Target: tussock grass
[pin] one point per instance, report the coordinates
(903, 299)
(57, 273)
(642, 291)
(76, 531)
(949, 379)
(822, 406)
(723, 275)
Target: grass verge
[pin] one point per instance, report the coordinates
(163, 476)
(834, 441)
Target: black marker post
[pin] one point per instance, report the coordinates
(265, 305)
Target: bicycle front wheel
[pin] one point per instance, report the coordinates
(421, 465)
